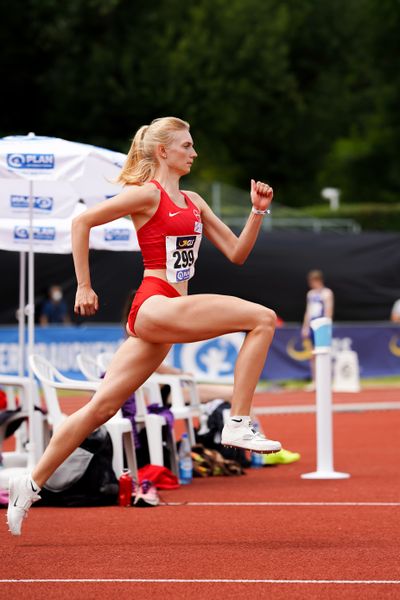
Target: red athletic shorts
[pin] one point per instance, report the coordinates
(150, 286)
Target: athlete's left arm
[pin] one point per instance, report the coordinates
(235, 248)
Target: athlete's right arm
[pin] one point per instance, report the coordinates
(132, 200)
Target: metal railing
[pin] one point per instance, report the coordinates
(232, 205)
(300, 223)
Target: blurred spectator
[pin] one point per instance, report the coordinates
(395, 314)
(54, 309)
(320, 301)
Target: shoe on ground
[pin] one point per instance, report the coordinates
(22, 495)
(283, 457)
(238, 433)
(146, 495)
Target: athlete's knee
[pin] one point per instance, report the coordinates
(266, 319)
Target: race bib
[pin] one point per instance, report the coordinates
(181, 252)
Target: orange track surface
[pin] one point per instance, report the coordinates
(328, 543)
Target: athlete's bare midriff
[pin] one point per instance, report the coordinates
(181, 287)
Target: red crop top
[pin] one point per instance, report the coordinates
(171, 238)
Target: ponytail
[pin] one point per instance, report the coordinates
(137, 169)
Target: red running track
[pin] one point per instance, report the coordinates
(332, 539)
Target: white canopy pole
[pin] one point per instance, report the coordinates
(21, 314)
(31, 330)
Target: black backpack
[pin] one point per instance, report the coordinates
(215, 425)
(86, 478)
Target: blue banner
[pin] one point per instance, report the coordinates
(60, 345)
(376, 344)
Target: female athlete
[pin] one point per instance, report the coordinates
(169, 224)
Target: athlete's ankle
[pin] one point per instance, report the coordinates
(238, 420)
(35, 485)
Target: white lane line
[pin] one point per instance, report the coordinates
(378, 504)
(336, 407)
(271, 581)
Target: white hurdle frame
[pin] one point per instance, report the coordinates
(322, 328)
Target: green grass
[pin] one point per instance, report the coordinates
(299, 384)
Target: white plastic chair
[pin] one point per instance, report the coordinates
(17, 385)
(120, 429)
(103, 360)
(179, 408)
(149, 393)
(89, 367)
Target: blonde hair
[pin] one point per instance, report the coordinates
(141, 162)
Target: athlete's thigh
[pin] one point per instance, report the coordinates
(196, 317)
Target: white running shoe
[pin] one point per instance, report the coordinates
(240, 434)
(22, 495)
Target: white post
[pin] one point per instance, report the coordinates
(322, 350)
(30, 309)
(21, 314)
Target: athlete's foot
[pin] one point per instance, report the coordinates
(23, 493)
(238, 433)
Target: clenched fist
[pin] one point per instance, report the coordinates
(86, 301)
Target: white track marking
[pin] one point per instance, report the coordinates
(377, 504)
(336, 407)
(270, 581)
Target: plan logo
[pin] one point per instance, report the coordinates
(21, 233)
(44, 203)
(116, 235)
(30, 161)
(183, 274)
(47, 234)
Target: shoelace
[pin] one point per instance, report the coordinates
(256, 434)
(28, 504)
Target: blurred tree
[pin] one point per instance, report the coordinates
(365, 162)
(302, 94)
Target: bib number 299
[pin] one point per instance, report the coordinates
(183, 258)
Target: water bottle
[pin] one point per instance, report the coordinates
(257, 459)
(185, 461)
(125, 488)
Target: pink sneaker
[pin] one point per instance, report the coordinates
(146, 495)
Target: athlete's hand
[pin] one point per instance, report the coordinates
(261, 195)
(86, 301)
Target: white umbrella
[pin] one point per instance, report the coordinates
(46, 176)
(41, 180)
(53, 235)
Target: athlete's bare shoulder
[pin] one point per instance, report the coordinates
(144, 196)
